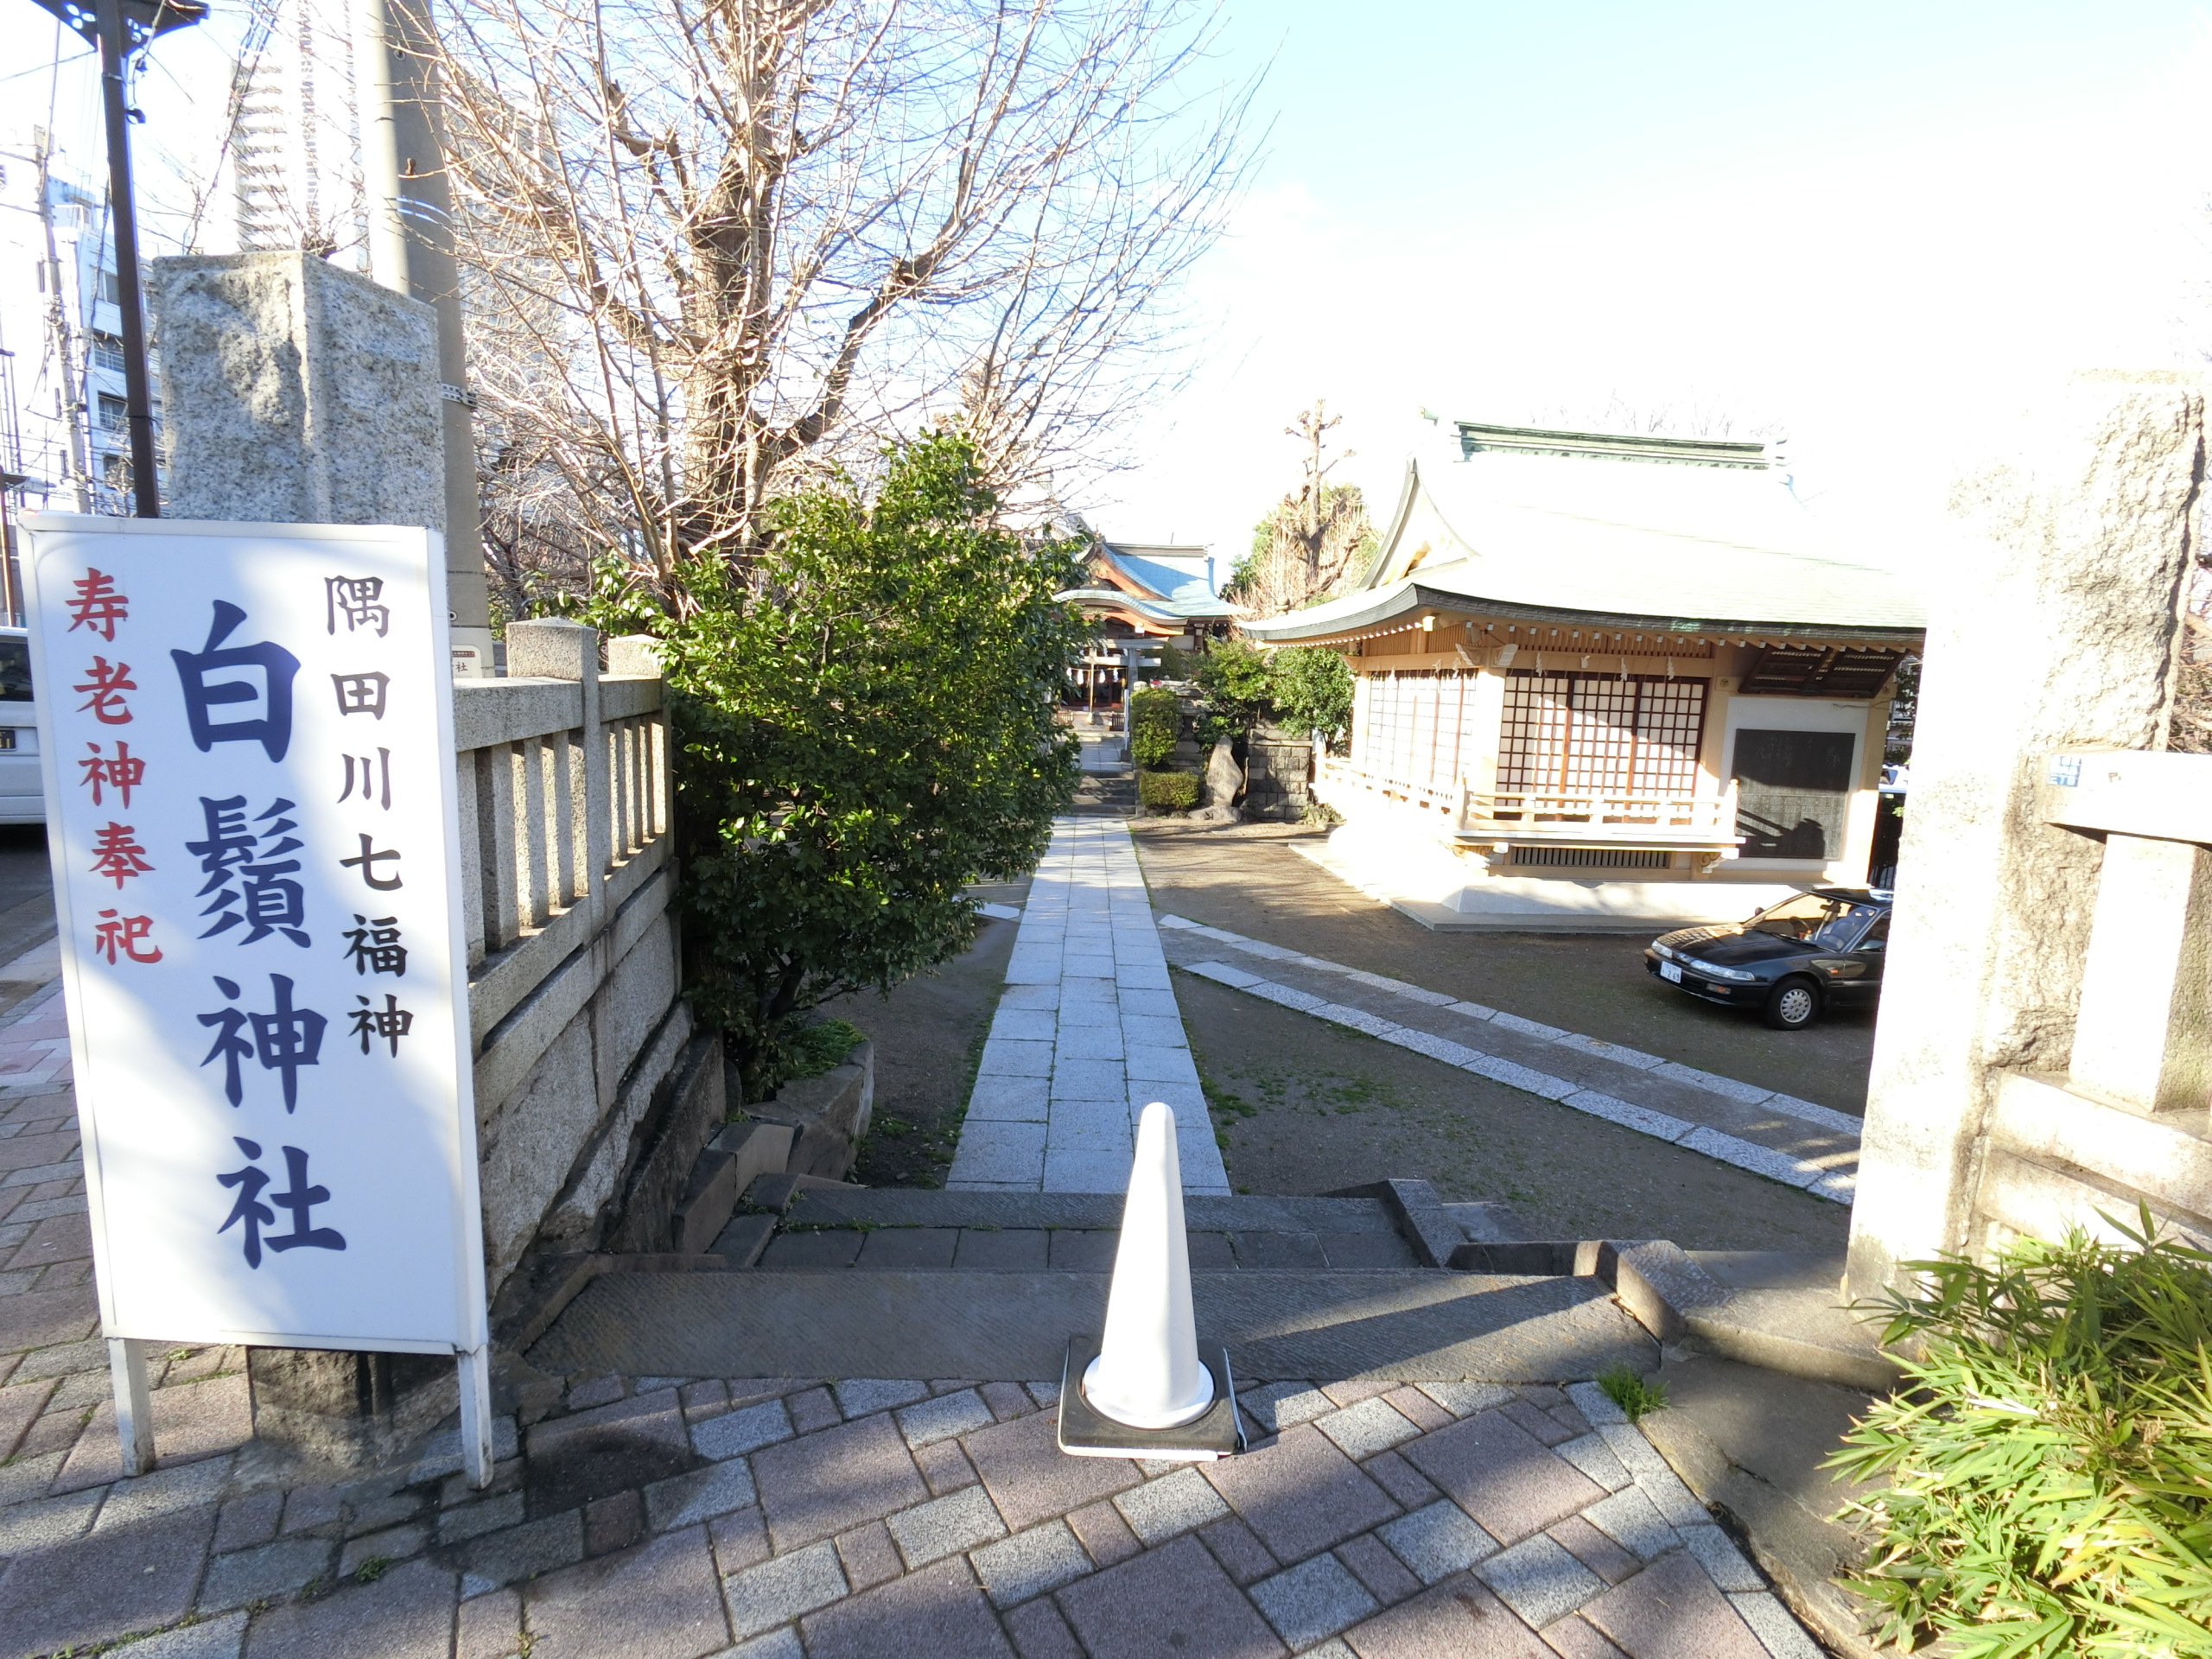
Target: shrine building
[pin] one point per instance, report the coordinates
(1144, 596)
(1606, 680)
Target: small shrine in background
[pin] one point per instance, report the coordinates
(1144, 597)
(1607, 680)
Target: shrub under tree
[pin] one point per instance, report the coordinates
(1311, 689)
(1155, 721)
(862, 729)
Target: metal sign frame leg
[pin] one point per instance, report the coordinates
(134, 1403)
(476, 1365)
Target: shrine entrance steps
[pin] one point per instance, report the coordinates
(1101, 793)
(823, 1279)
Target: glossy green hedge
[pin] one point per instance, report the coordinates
(864, 725)
(1155, 719)
(1168, 792)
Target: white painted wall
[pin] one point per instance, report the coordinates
(1805, 714)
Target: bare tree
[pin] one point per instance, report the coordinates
(1312, 539)
(716, 244)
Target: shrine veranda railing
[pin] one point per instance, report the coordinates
(1652, 817)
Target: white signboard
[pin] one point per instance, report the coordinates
(247, 737)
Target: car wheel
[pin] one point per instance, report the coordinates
(1792, 1006)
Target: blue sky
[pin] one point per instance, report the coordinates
(1865, 227)
(1846, 223)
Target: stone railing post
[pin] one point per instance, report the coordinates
(554, 648)
(296, 392)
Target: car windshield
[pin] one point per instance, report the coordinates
(15, 671)
(1830, 923)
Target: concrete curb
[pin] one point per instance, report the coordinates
(1799, 1333)
(1431, 1233)
(1801, 1552)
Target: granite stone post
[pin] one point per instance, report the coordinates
(350, 1409)
(294, 393)
(2054, 626)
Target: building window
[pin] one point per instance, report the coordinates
(1410, 727)
(1600, 735)
(109, 286)
(114, 414)
(107, 353)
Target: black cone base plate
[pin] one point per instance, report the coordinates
(1085, 1433)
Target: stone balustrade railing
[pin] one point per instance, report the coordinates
(2126, 1123)
(577, 1025)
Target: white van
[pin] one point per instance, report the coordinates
(22, 797)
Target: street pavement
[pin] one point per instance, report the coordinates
(796, 1518)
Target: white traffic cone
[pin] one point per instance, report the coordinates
(1148, 1374)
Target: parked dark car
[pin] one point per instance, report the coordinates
(1817, 950)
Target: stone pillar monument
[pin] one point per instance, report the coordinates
(2053, 627)
(294, 393)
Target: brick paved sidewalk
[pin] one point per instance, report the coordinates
(867, 1517)
(679, 1518)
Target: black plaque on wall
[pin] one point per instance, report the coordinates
(1793, 788)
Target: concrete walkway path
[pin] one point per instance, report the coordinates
(1086, 1035)
(1797, 1142)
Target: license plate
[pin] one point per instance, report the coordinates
(1670, 972)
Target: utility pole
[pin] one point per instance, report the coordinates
(412, 253)
(120, 28)
(60, 331)
(123, 210)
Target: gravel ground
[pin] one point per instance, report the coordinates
(1248, 881)
(928, 1033)
(1304, 1106)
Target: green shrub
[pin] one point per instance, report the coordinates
(1636, 1394)
(864, 726)
(1155, 719)
(2050, 1459)
(1233, 675)
(1311, 689)
(1168, 792)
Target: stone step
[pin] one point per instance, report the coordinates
(1420, 1325)
(1105, 794)
(861, 1206)
(1780, 1309)
(1799, 1332)
(904, 1231)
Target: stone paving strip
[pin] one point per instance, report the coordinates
(1087, 1032)
(886, 1518)
(1794, 1141)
